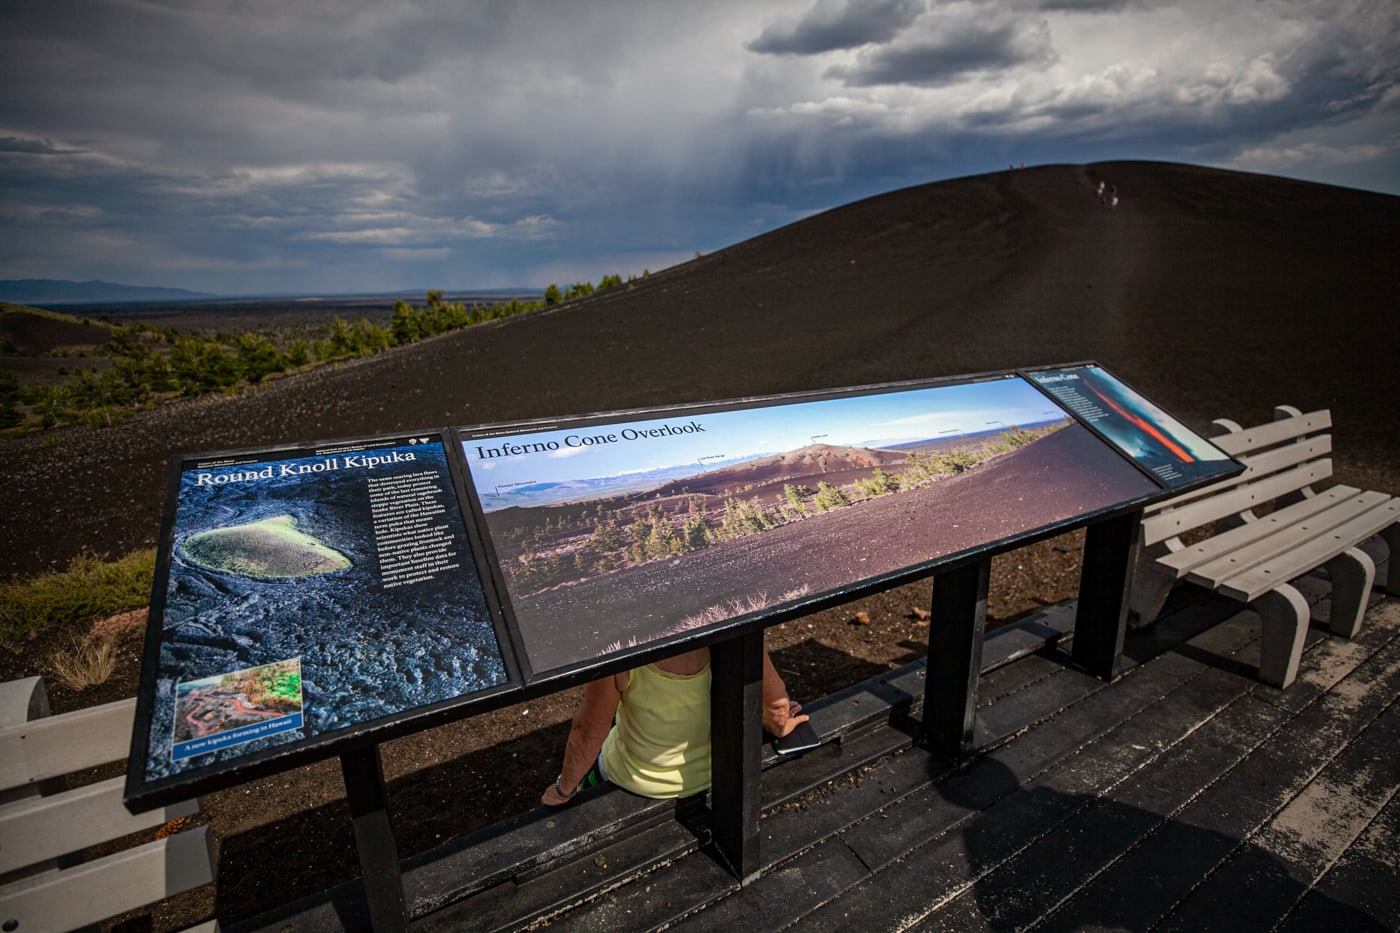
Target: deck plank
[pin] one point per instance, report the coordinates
(1047, 872)
(899, 824)
(1143, 886)
(1284, 859)
(1363, 879)
(915, 872)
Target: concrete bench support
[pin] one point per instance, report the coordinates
(1352, 572)
(1284, 614)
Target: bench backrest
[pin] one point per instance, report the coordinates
(43, 825)
(1284, 457)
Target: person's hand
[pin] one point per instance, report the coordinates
(782, 716)
(552, 798)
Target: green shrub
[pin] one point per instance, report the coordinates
(829, 497)
(90, 588)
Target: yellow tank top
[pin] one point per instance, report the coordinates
(659, 745)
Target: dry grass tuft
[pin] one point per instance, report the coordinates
(86, 663)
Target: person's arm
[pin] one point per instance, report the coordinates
(590, 727)
(780, 714)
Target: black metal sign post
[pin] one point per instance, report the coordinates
(956, 624)
(736, 749)
(1100, 623)
(374, 839)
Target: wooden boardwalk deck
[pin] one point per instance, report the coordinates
(1185, 795)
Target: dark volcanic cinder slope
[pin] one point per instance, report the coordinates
(1215, 293)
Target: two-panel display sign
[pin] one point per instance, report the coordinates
(309, 594)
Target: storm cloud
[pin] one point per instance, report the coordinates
(838, 24)
(948, 49)
(300, 146)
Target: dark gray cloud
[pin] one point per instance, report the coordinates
(837, 24)
(318, 145)
(1089, 6)
(947, 49)
(32, 146)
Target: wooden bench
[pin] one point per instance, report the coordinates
(1265, 527)
(44, 827)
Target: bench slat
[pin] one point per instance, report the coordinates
(56, 745)
(94, 891)
(1166, 525)
(1226, 541)
(1257, 467)
(46, 827)
(1285, 540)
(1251, 584)
(1279, 458)
(1270, 433)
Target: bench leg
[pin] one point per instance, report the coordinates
(1284, 613)
(1391, 582)
(1352, 573)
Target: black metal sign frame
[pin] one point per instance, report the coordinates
(495, 555)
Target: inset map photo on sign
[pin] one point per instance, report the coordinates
(1168, 449)
(303, 592)
(618, 531)
(236, 708)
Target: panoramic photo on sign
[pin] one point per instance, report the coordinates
(613, 535)
(307, 591)
(1168, 449)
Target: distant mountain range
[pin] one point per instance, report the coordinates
(749, 471)
(587, 490)
(42, 292)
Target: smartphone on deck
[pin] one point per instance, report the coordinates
(798, 740)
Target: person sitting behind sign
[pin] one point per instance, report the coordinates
(648, 730)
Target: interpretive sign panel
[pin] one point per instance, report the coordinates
(312, 599)
(617, 531)
(1168, 449)
(303, 592)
